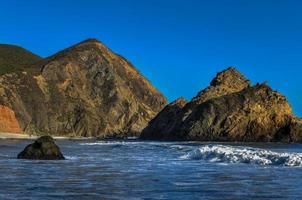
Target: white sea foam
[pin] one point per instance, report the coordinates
(126, 142)
(71, 157)
(107, 143)
(249, 155)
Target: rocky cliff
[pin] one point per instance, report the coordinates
(163, 124)
(8, 121)
(85, 90)
(230, 109)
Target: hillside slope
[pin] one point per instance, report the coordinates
(14, 58)
(84, 90)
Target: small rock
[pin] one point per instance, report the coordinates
(43, 148)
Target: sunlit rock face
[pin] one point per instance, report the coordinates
(8, 121)
(230, 109)
(85, 90)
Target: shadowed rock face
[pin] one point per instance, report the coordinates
(294, 130)
(230, 110)
(162, 125)
(43, 148)
(85, 90)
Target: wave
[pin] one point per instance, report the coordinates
(107, 143)
(71, 157)
(130, 142)
(248, 155)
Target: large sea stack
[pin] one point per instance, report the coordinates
(230, 109)
(85, 90)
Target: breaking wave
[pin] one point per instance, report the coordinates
(104, 143)
(248, 155)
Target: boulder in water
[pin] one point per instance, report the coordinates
(43, 148)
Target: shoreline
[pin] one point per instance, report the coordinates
(5, 135)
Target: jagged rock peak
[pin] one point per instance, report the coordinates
(226, 82)
(180, 101)
(230, 77)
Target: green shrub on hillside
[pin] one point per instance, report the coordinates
(14, 58)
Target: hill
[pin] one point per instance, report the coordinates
(14, 58)
(84, 90)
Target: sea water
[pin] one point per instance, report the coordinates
(134, 169)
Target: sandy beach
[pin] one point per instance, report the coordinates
(15, 136)
(4, 135)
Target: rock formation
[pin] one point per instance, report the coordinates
(294, 130)
(85, 90)
(8, 121)
(165, 121)
(43, 148)
(230, 109)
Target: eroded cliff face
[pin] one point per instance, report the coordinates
(230, 109)
(85, 90)
(253, 114)
(8, 121)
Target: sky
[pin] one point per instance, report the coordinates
(179, 45)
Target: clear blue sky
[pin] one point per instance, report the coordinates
(179, 45)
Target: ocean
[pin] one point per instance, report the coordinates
(134, 169)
